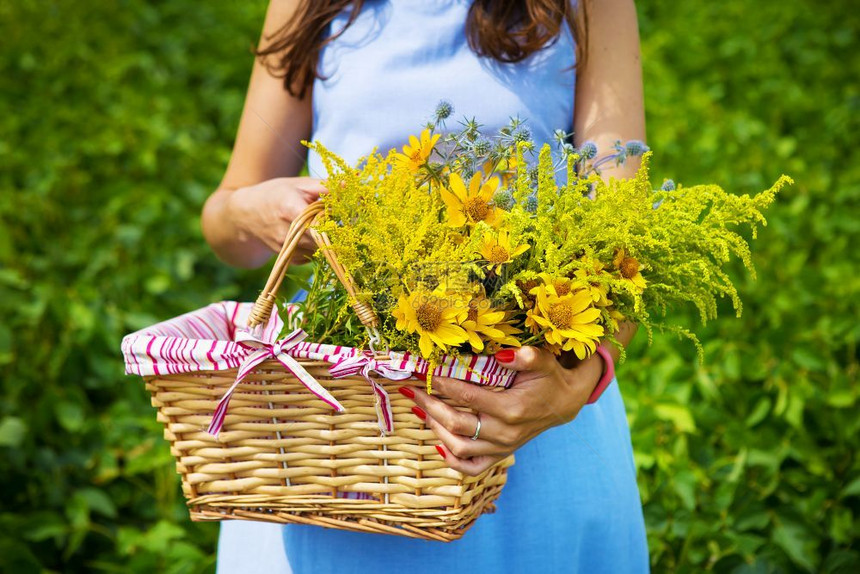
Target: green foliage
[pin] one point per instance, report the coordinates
(748, 463)
(117, 122)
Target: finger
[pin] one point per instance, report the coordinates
(464, 423)
(463, 447)
(471, 466)
(527, 359)
(456, 421)
(310, 185)
(471, 395)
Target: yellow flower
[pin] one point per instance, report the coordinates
(468, 207)
(615, 317)
(508, 329)
(630, 270)
(585, 277)
(558, 286)
(498, 250)
(434, 317)
(416, 153)
(561, 286)
(483, 323)
(569, 322)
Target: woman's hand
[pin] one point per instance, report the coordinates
(266, 210)
(246, 225)
(544, 394)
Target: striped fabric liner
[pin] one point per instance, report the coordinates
(206, 340)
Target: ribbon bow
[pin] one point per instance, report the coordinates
(278, 350)
(366, 364)
(344, 366)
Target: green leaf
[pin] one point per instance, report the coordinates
(98, 501)
(761, 410)
(684, 483)
(12, 431)
(70, 415)
(678, 415)
(852, 488)
(796, 541)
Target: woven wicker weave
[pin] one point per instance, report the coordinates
(284, 456)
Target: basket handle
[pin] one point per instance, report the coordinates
(265, 303)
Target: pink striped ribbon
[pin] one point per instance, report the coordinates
(261, 351)
(366, 364)
(345, 365)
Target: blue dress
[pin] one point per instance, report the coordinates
(571, 503)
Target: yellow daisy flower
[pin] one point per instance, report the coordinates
(498, 250)
(558, 286)
(630, 270)
(615, 317)
(569, 322)
(584, 278)
(469, 206)
(483, 323)
(416, 153)
(561, 286)
(508, 329)
(434, 317)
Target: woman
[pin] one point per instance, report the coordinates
(364, 74)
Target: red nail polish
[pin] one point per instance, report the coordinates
(419, 413)
(407, 392)
(505, 355)
(441, 451)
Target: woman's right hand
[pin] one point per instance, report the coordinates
(265, 211)
(245, 226)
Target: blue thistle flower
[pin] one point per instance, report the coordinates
(522, 135)
(481, 147)
(636, 147)
(532, 203)
(588, 150)
(503, 199)
(444, 109)
(471, 129)
(514, 124)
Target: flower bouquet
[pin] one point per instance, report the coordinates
(466, 243)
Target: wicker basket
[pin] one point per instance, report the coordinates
(284, 456)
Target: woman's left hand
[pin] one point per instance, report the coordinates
(544, 394)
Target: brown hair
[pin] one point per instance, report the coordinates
(508, 31)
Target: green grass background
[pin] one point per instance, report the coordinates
(116, 122)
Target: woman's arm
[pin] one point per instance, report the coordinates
(610, 101)
(609, 106)
(247, 217)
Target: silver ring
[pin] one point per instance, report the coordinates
(478, 429)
